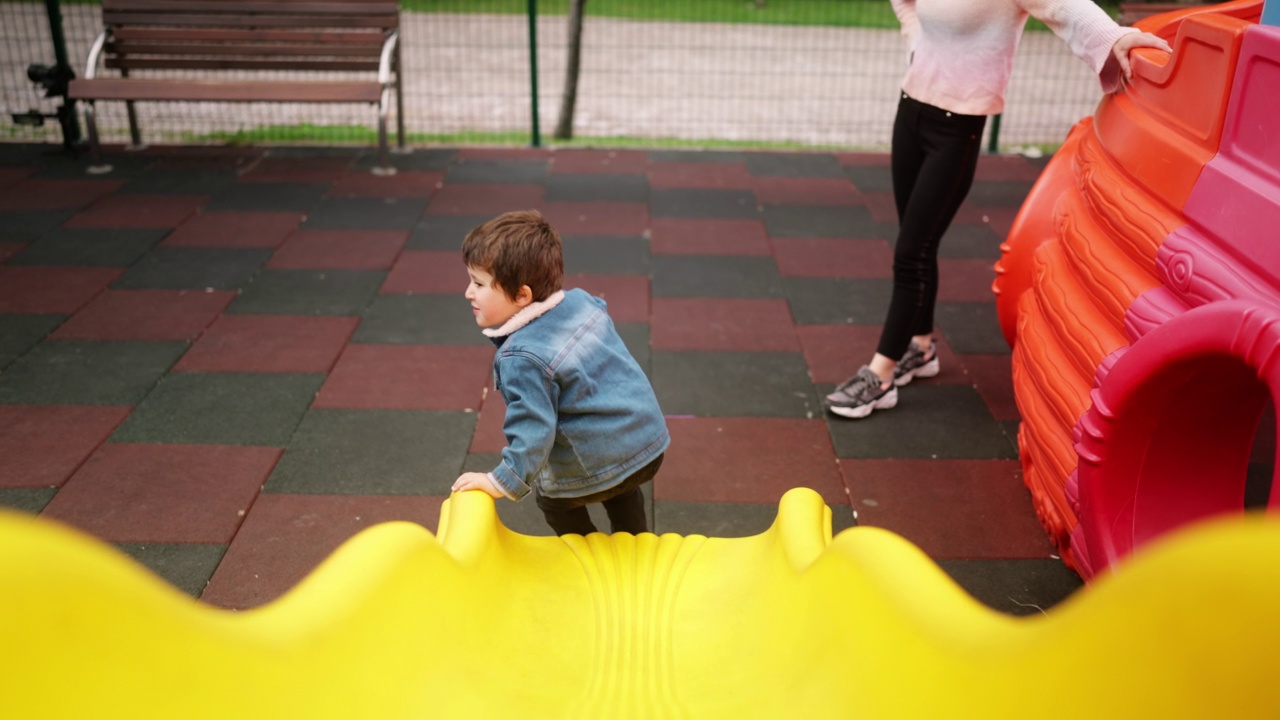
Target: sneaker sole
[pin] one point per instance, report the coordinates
(890, 400)
(927, 370)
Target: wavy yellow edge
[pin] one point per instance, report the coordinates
(479, 621)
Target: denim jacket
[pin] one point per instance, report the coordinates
(581, 414)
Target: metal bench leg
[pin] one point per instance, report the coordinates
(135, 135)
(399, 106)
(96, 167)
(384, 167)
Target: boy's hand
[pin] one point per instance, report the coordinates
(476, 481)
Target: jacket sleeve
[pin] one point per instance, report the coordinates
(532, 397)
(1087, 29)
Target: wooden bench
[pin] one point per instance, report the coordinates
(222, 39)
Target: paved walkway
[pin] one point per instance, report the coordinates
(227, 361)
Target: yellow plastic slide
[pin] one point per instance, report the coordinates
(480, 622)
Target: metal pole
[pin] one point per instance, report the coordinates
(993, 143)
(533, 68)
(66, 113)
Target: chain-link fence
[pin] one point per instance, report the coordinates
(801, 73)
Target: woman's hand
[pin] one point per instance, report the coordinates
(1128, 42)
(476, 481)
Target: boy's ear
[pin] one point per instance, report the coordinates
(524, 296)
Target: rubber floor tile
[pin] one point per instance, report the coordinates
(725, 520)
(784, 164)
(636, 337)
(19, 333)
(1005, 168)
(972, 328)
(627, 219)
(269, 197)
(931, 421)
(627, 296)
(142, 493)
(374, 452)
(32, 194)
(884, 209)
(51, 289)
(490, 199)
(28, 225)
(835, 352)
(722, 276)
(145, 315)
(585, 255)
(139, 211)
(185, 566)
(285, 537)
(11, 175)
(468, 170)
(709, 237)
(833, 258)
(704, 203)
(1015, 587)
(870, 178)
(806, 191)
(365, 213)
(971, 241)
(89, 247)
(992, 375)
(999, 193)
(42, 445)
(417, 160)
(309, 292)
(733, 176)
(523, 155)
(420, 320)
(180, 181)
(26, 500)
(235, 229)
(826, 221)
(965, 280)
(9, 249)
(599, 161)
(339, 250)
(419, 184)
(1000, 219)
(700, 157)
(719, 324)
(596, 187)
(221, 409)
(418, 272)
(733, 384)
(488, 437)
(838, 301)
(269, 344)
(444, 232)
(194, 268)
(298, 169)
(949, 508)
(75, 372)
(748, 460)
(408, 377)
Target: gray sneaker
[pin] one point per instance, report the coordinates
(916, 363)
(860, 394)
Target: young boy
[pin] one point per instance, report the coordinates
(583, 424)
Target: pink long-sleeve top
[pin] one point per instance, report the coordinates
(961, 51)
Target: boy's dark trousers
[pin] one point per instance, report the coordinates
(624, 503)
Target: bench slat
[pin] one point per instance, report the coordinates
(236, 7)
(241, 49)
(211, 91)
(239, 64)
(274, 21)
(374, 38)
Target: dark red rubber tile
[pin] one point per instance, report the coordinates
(882, 206)
(488, 437)
(701, 175)
(965, 280)
(408, 377)
(51, 289)
(626, 295)
(992, 375)
(285, 537)
(269, 344)
(999, 219)
(709, 237)
(599, 161)
(146, 315)
(147, 493)
(423, 184)
(8, 250)
(847, 159)
(628, 219)
(139, 211)
(484, 199)
(1005, 167)
(426, 272)
(951, 509)
(747, 460)
(722, 324)
(339, 250)
(806, 191)
(42, 445)
(833, 258)
(11, 175)
(55, 194)
(297, 169)
(235, 230)
(835, 352)
(498, 154)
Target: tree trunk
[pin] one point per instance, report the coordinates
(564, 128)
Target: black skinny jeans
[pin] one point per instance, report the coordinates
(624, 504)
(934, 158)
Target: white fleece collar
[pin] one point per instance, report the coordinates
(526, 315)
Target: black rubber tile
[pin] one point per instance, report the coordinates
(636, 337)
(870, 178)
(180, 181)
(930, 422)
(596, 187)
(416, 160)
(27, 154)
(970, 242)
(419, 320)
(718, 276)
(999, 193)
(27, 500)
(971, 328)
(826, 301)
(25, 226)
(309, 292)
(317, 151)
(182, 268)
(729, 520)
(269, 197)
(826, 221)
(185, 566)
(1016, 587)
(374, 452)
(94, 247)
(67, 372)
(443, 232)
(222, 409)
(507, 172)
(697, 156)
(365, 213)
(808, 165)
(20, 333)
(124, 165)
(703, 203)
(605, 255)
(734, 384)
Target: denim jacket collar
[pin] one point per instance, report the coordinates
(527, 314)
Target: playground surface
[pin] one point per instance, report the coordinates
(227, 361)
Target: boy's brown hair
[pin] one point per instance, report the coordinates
(517, 248)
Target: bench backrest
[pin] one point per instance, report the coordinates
(247, 34)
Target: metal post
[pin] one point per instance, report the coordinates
(67, 113)
(993, 143)
(533, 68)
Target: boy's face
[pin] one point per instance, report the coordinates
(490, 304)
